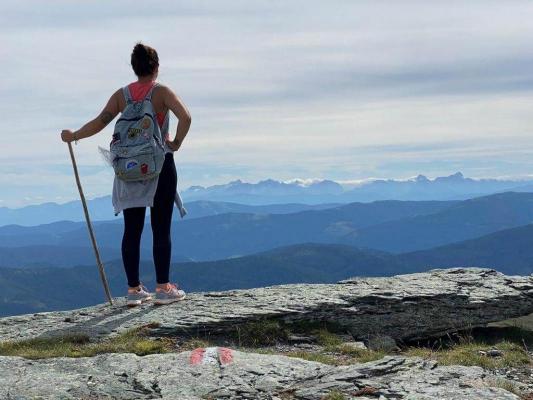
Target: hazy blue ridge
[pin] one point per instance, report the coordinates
(63, 256)
(218, 236)
(465, 220)
(392, 226)
(100, 209)
(275, 197)
(509, 251)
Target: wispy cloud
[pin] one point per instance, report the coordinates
(342, 90)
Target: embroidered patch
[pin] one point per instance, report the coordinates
(115, 138)
(146, 123)
(132, 132)
(144, 168)
(131, 164)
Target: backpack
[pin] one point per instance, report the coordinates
(137, 149)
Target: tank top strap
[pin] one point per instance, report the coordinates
(127, 94)
(151, 92)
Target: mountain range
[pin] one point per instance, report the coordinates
(453, 187)
(51, 266)
(391, 226)
(281, 197)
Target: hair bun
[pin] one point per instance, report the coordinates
(140, 48)
(144, 60)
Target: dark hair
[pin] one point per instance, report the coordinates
(144, 60)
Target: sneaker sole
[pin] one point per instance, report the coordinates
(135, 303)
(169, 301)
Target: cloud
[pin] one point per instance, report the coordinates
(343, 90)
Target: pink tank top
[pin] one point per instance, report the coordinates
(139, 91)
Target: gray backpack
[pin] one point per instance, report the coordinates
(137, 147)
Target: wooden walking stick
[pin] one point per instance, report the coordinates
(89, 226)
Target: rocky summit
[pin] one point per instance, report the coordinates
(246, 376)
(400, 308)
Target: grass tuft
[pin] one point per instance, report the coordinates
(468, 354)
(334, 395)
(132, 341)
(327, 339)
(260, 333)
(506, 385)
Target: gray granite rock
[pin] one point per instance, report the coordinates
(246, 376)
(413, 306)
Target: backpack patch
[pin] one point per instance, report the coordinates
(131, 164)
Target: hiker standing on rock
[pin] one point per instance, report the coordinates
(160, 192)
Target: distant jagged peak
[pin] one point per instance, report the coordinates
(311, 182)
(421, 178)
(269, 182)
(457, 177)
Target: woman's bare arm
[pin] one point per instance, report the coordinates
(94, 126)
(174, 103)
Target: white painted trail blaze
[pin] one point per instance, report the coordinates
(211, 355)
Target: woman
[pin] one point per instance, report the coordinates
(158, 193)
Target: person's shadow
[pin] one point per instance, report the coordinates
(104, 321)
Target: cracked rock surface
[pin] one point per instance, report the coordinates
(403, 307)
(248, 376)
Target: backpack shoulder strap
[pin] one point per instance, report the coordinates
(164, 128)
(127, 95)
(151, 92)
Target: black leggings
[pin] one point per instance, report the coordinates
(160, 218)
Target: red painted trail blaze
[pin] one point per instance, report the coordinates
(225, 355)
(197, 356)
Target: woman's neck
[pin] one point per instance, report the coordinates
(145, 79)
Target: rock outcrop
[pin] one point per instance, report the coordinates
(400, 308)
(404, 307)
(247, 376)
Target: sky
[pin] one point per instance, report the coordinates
(342, 90)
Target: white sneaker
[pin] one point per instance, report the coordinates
(137, 297)
(172, 294)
